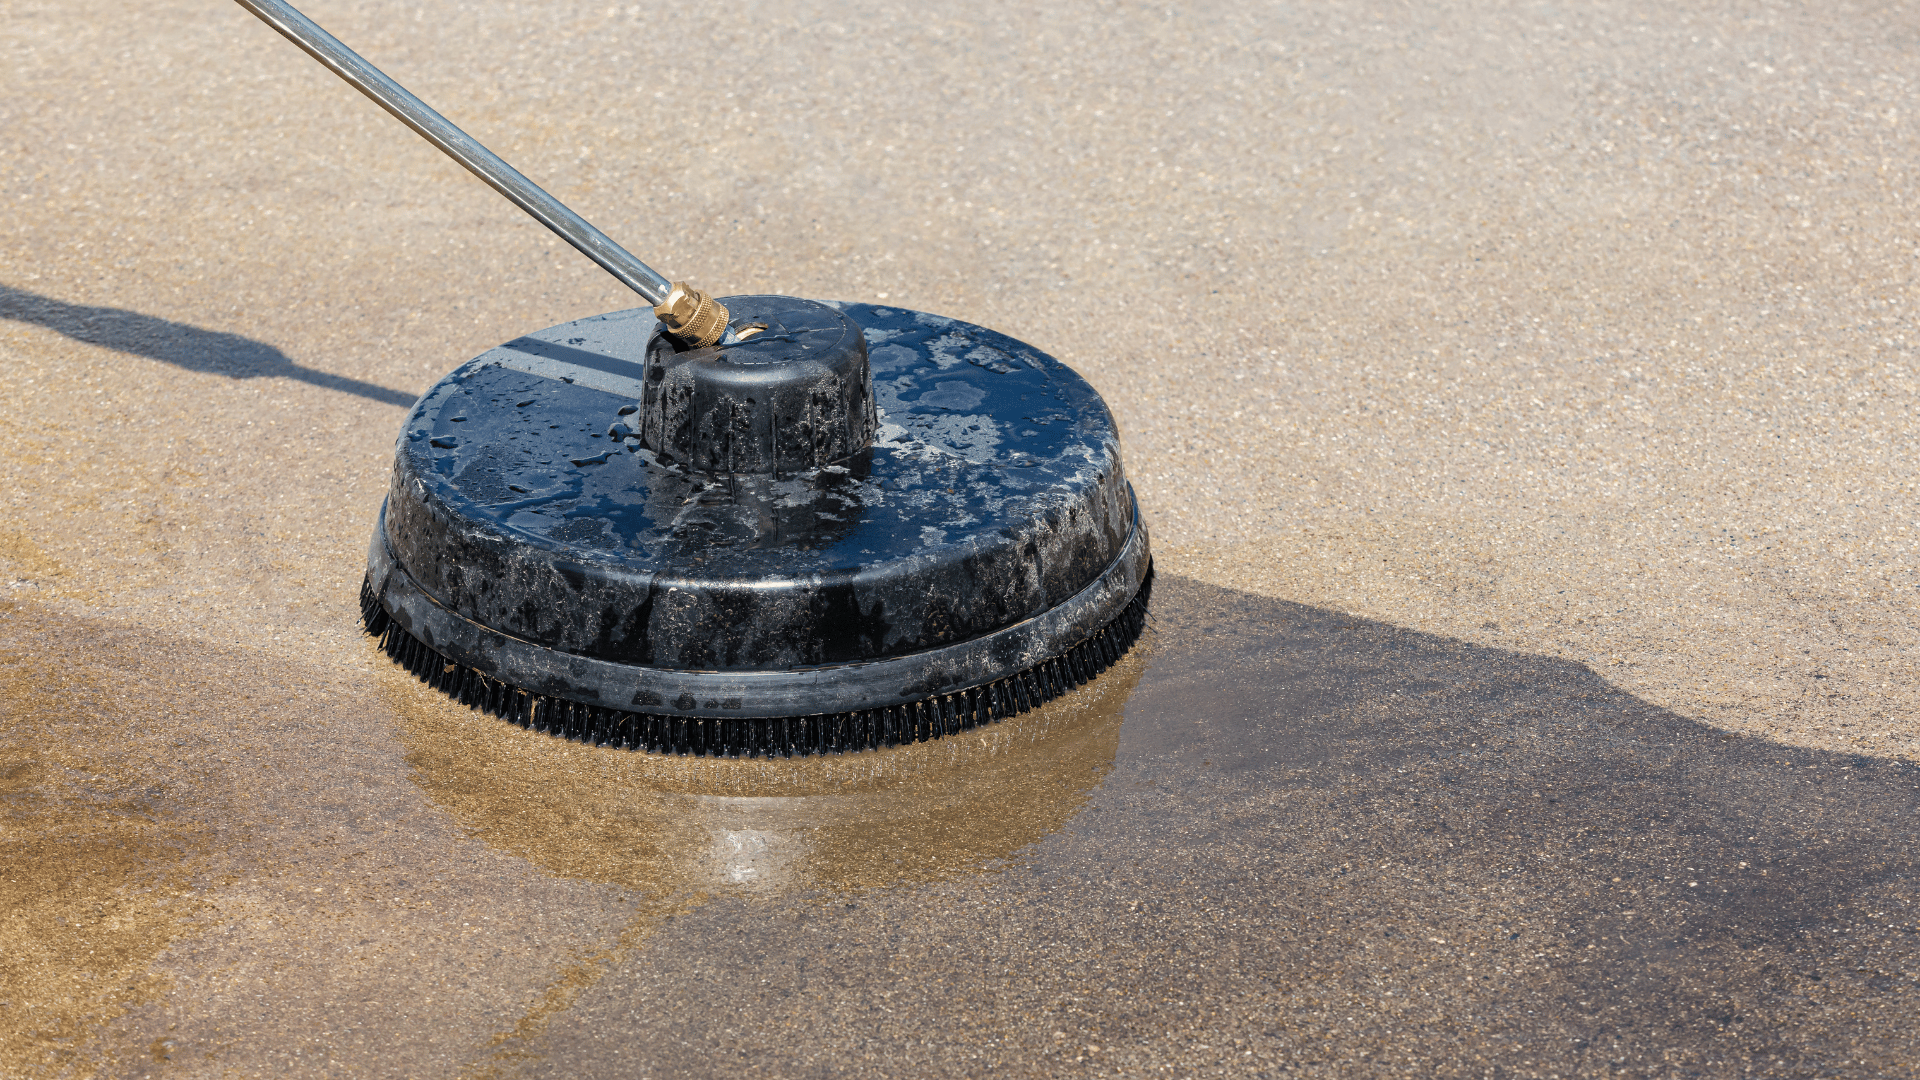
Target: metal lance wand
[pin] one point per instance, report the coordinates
(689, 314)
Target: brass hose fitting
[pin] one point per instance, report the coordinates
(692, 316)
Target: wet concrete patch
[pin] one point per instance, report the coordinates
(100, 868)
(1275, 840)
(1331, 846)
(217, 858)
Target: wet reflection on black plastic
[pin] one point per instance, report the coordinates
(1334, 846)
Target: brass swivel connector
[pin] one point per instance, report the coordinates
(692, 316)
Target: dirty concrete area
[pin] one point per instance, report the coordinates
(1520, 397)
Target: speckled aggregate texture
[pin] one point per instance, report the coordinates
(1527, 386)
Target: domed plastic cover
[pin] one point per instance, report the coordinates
(790, 396)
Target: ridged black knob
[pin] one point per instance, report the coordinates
(792, 394)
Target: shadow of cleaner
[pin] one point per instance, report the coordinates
(194, 348)
(1322, 842)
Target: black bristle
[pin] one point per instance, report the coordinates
(372, 614)
(867, 729)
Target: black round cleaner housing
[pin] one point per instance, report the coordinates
(844, 527)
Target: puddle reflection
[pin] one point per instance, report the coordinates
(689, 826)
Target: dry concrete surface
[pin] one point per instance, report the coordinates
(1521, 396)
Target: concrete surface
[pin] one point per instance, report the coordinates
(1521, 396)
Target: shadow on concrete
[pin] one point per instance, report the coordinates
(1331, 846)
(190, 347)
